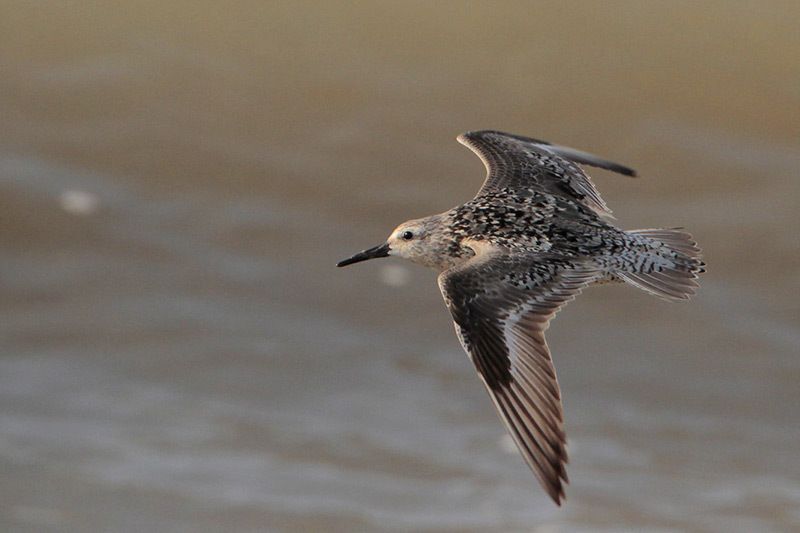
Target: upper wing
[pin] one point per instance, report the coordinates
(501, 307)
(521, 163)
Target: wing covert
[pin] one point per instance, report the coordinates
(501, 308)
(519, 163)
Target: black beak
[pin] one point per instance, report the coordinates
(372, 253)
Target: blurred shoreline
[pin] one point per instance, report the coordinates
(180, 354)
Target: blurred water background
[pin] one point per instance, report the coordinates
(178, 179)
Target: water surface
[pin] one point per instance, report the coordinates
(179, 353)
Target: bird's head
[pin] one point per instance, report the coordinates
(416, 240)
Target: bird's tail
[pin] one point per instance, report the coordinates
(665, 263)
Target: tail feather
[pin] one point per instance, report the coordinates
(667, 264)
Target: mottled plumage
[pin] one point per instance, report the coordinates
(511, 257)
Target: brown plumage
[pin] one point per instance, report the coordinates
(509, 259)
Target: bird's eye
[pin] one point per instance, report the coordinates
(407, 235)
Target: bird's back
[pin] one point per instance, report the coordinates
(535, 222)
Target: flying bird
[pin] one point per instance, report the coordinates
(533, 237)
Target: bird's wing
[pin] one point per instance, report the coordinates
(520, 163)
(501, 306)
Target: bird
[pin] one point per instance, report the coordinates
(535, 235)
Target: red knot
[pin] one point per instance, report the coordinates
(532, 238)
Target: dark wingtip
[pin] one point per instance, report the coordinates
(559, 497)
(610, 166)
(625, 171)
(572, 154)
